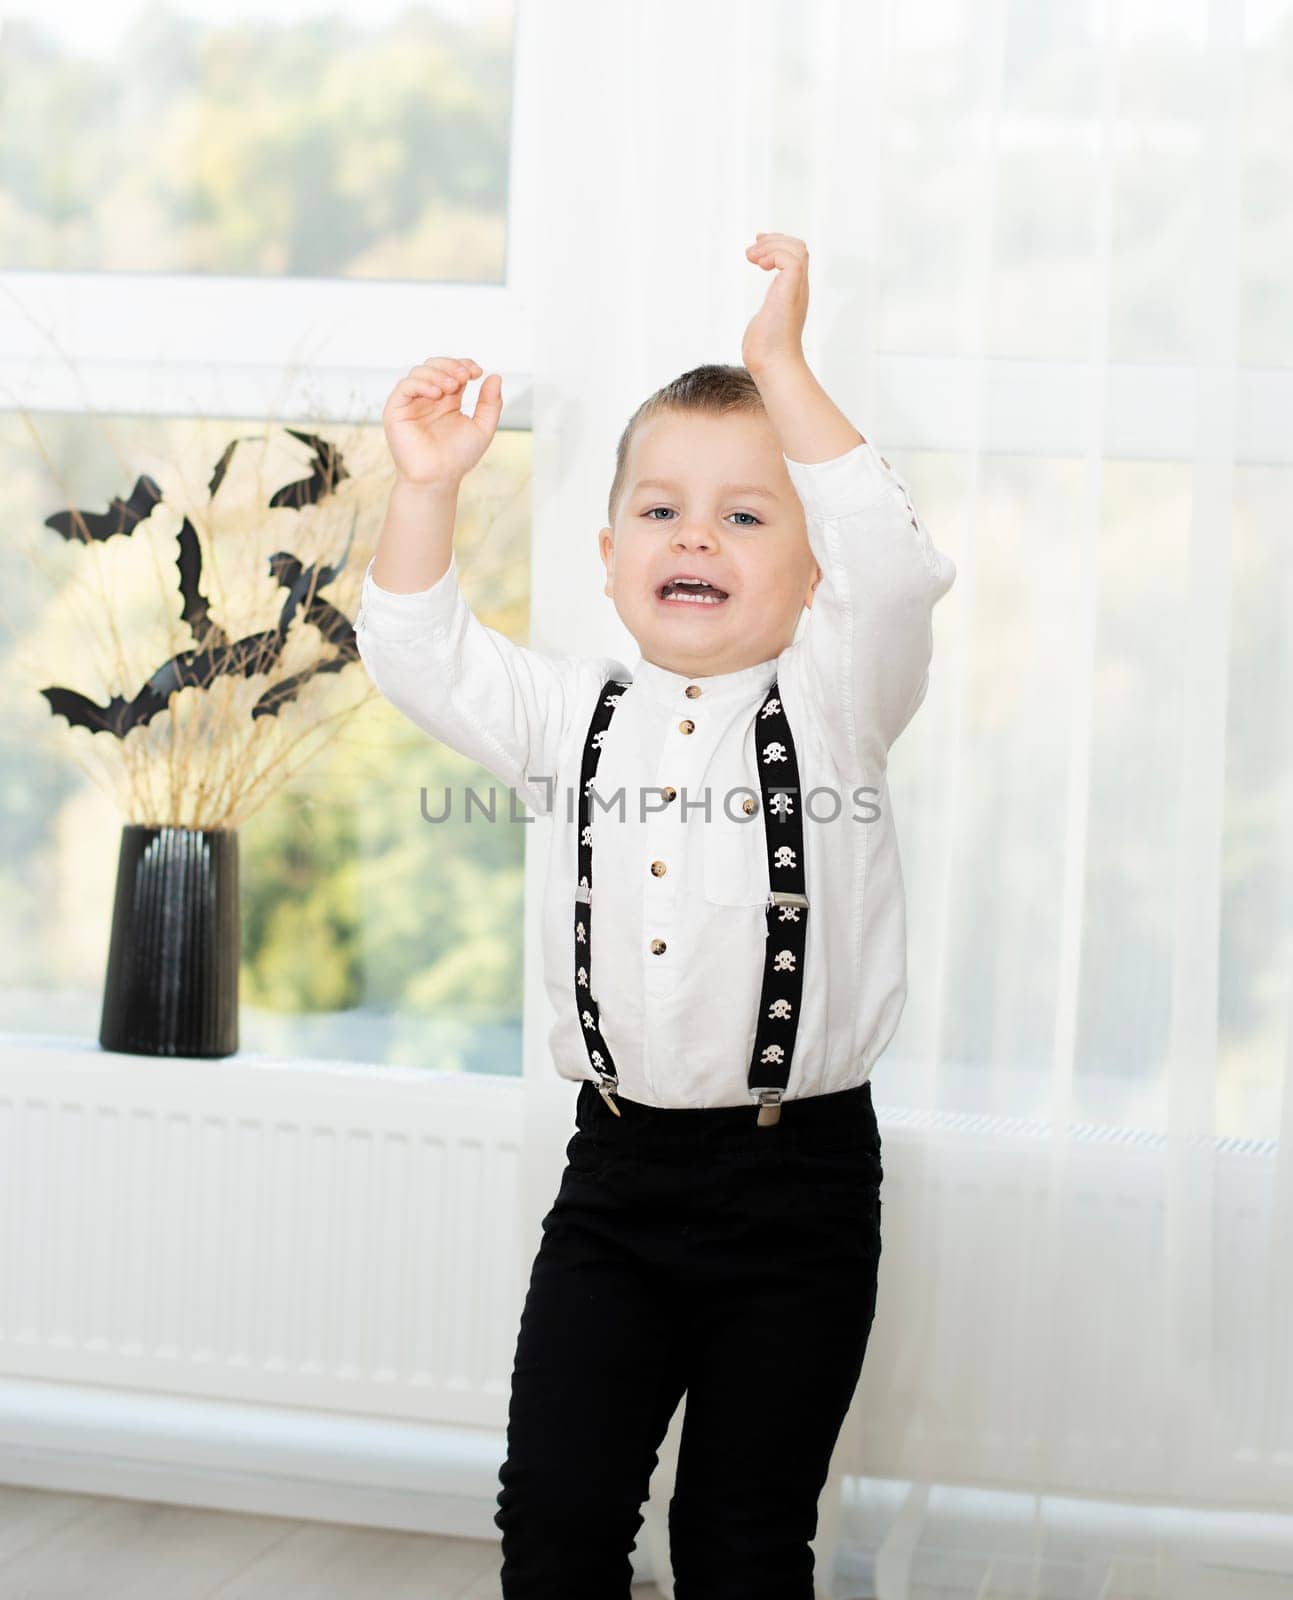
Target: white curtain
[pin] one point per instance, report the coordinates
(1051, 249)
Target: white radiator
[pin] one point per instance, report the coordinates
(323, 1235)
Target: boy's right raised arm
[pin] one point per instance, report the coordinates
(464, 683)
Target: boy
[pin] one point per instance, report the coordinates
(717, 1228)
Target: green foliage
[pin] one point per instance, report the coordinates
(318, 147)
(350, 898)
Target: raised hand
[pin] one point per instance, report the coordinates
(775, 333)
(431, 439)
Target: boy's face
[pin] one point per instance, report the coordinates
(681, 514)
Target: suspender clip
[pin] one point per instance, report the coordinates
(607, 1089)
(784, 897)
(769, 1106)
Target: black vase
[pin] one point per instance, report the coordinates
(172, 981)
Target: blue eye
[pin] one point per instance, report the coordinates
(753, 522)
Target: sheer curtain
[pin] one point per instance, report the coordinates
(1051, 250)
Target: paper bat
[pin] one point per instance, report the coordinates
(288, 688)
(196, 610)
(122, 516)
(329, 469)
(215, 654)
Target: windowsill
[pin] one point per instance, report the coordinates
(76, 1051)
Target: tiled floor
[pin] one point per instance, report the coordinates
(57, 1546)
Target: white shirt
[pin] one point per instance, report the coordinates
(680, 1024)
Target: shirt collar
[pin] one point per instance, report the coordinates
(670, 687)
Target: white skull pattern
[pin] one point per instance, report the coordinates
(775, 751)
(772, 1055)
(785, 856)
(779, 1008)
(785, 961)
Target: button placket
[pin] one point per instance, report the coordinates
(660, 855)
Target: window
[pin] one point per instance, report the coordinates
(198, 243)
(369, 933)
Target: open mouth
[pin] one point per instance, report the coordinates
(691, 592)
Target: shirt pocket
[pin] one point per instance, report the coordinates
(736, 862)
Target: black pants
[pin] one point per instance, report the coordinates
(691, 1251)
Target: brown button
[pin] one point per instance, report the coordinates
(687, 725)
(748, 804)
(692, 690)
(670, 793)
(658, 947)
(659, 868)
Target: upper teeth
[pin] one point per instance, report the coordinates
(713, 598)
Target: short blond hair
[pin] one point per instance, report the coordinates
(713, 389)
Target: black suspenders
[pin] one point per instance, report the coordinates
(589, 1012)
(786, 911)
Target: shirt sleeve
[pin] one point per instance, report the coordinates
(495, 701)
(868, 640)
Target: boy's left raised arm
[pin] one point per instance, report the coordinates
(869, 636)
